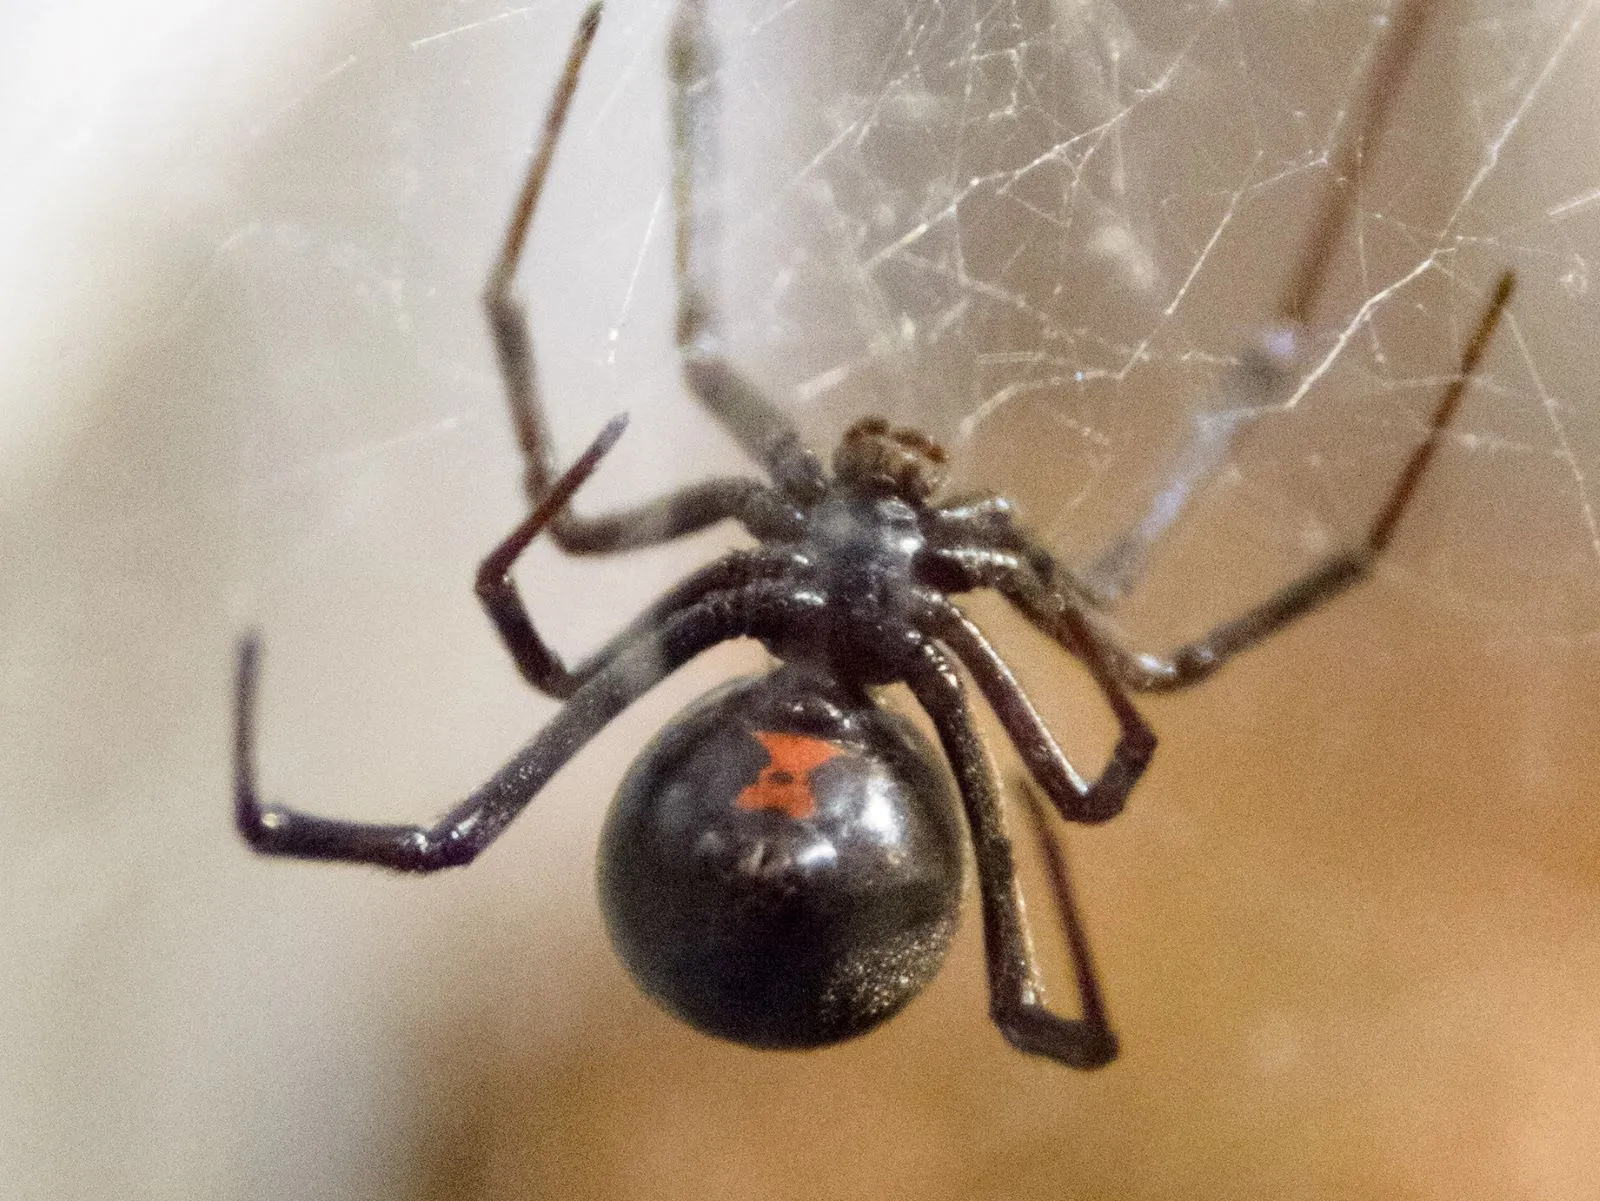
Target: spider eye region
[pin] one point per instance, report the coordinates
(877, 457)
(783, 864)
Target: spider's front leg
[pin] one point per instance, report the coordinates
(1015, 999)
(738, 405)
(682, 512)
(763, 512)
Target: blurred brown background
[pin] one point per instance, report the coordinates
(1350, 924)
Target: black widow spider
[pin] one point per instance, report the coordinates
(783, 863)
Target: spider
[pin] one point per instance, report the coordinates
(783, 863)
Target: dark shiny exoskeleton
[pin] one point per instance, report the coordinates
(783, 863)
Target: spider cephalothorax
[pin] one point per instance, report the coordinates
(782, 865)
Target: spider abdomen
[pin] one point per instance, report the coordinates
(783, 863)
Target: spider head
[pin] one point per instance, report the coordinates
(876, 457)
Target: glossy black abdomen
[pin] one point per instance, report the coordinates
(782, 866)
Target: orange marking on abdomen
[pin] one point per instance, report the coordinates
(785, 782)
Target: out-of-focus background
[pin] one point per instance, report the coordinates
(1350, 924)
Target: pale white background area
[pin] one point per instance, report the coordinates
(1350, 925)
(246, 381)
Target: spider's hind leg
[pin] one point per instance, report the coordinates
(457, 837)
(1077, 938)
(1016, 1001)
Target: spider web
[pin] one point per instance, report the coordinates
(1043, 232)
(1048, 232)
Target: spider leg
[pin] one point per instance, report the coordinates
(542, 668)
(1263, 373)
(1354, 151)
(1074, 798)
(1055, 862)
(538, 664)
(685, 511)
(1015, 999)
(974, 539)
(1196, 661)
(736, 402)
(457, 837)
